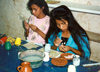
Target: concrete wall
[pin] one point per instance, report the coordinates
(13, 12)
(87, 2)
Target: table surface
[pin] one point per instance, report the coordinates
(9, 62)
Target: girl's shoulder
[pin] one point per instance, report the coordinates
(32, 17)
(47, 17)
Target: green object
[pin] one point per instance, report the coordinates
(8, 45)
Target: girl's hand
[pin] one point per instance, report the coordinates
(64, 48)
(57, 41)
(33, 27)
(26, 25)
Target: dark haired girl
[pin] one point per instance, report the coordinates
(65, 34)
(38, 24)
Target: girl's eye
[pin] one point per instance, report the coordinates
(34, 9)
(58, 24)
(63, 23)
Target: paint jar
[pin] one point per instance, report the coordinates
(3, 40)
(76, 60)
(7, 45)
(71, 68)
(47, 47)
(18, 41)
(46, 57)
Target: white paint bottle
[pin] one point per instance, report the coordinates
(47, 47)
(46, 57)
(76, 60)
(71, 68)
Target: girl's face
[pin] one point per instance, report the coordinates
(36, 10)
(62, 24)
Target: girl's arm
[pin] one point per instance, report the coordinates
(68, 48)
(26, 28)
(27, 32)
(40, 33)
(34, 28)
(51, 42)
(54, 47)
(76, 51)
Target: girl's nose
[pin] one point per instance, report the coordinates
(33, 11)
(61, 26)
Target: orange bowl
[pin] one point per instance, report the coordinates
(59, 61)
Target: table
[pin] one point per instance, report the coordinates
(9, 62)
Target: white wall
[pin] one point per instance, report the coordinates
(12, 14)
(87, 2)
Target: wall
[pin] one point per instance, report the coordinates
(12, 14)
(87, 2)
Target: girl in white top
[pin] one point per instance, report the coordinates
(38, 24)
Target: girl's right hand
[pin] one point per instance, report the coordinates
(64, 48)
(33, 27)
(57, 41)
(26, 25)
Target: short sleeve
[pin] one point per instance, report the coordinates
(47, 25)
(31, 18)
(51, 40)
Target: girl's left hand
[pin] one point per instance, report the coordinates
(57, 41)
(64, 48)
(33, 27)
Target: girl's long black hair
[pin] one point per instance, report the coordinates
(40, 3)
(63, 12)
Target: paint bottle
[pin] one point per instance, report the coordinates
(76, 60)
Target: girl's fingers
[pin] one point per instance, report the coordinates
(61, 48)
(58, 39)
(64, 49)
(25, 22)
(33, 27)
(26, 25)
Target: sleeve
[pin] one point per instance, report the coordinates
(30, 21)
(51, 40)
(47, 25)
(85, 47)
